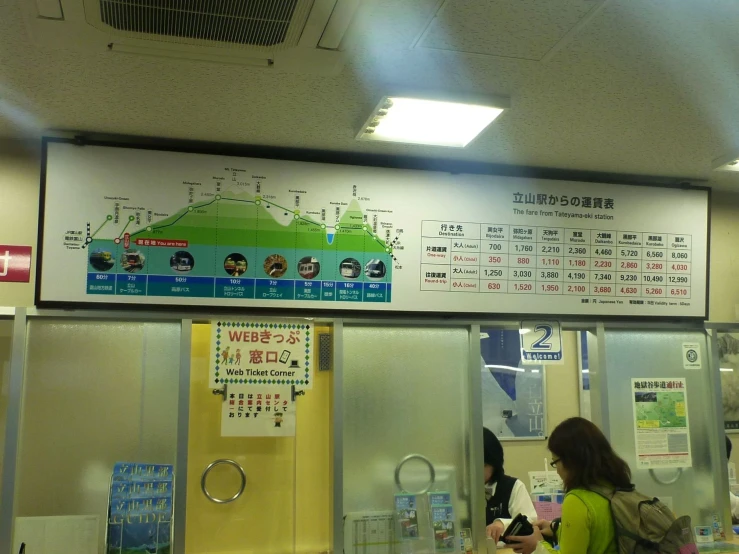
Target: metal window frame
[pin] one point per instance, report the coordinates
(12, 428)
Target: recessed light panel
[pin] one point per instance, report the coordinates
(429, 122)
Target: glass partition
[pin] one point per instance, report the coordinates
(664, 426)
(405, 397)
(726, 342)
(95, 393)
(514, 403)
(6, 342)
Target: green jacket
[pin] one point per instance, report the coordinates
(587, 525)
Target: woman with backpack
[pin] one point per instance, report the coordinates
(584, 460)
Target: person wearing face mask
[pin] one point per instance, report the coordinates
(584, 459)
(506, 496)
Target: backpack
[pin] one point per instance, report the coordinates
(646, 525)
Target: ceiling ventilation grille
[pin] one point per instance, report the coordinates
(260, 24)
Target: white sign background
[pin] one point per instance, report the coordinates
(541, 342)
(667, 444)
(83, 182)
(279, 421)
(261, 352)
(692, 356)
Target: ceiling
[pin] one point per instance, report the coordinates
(630, 86)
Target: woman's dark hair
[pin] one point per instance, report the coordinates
(729, 447)
(587, 456)
(493, 454)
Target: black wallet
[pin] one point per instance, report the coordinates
(519, 527)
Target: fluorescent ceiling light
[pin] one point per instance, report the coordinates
(431, 122)
(726, 163)
(586, 371)
(726, 369)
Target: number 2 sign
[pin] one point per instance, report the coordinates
(541, 342)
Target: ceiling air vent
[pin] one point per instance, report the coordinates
(301, 36)
(258, 23)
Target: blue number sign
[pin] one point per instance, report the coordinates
(541, 342)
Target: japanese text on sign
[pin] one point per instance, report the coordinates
(597, 203)
(258, 411)
(261, 353)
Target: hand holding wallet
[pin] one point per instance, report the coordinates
(519, 527)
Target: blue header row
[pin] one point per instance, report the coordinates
(218, 287)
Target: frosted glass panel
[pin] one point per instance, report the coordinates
(6, 337)
(657, 354)
(95, 393)
(405, 392)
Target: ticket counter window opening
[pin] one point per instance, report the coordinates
(513, 400)
(690, 486)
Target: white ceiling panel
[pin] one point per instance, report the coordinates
(519, 29)
(644, 86)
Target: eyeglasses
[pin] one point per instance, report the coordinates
(554, 463)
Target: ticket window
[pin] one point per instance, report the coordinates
(95, 393)
(406, 429)
(283, 501)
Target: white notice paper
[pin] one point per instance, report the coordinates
(661, 423)
(258, 411)
(692, 355)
